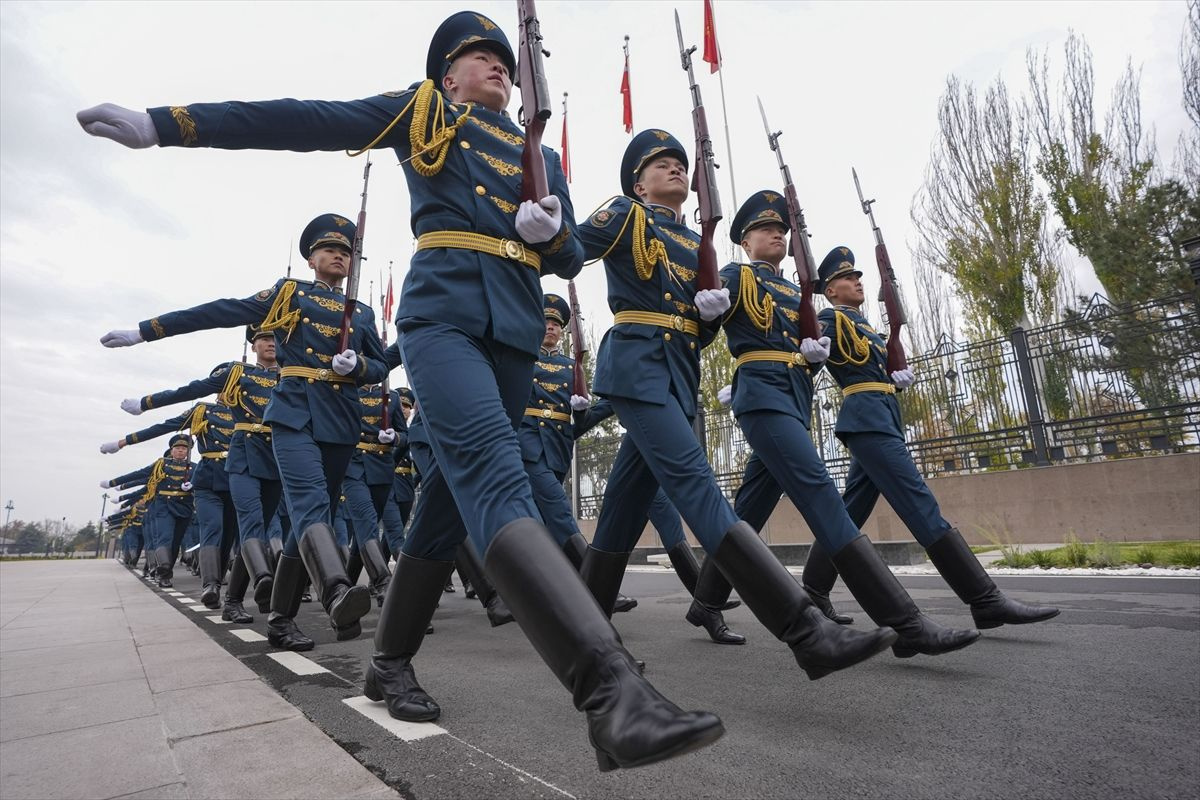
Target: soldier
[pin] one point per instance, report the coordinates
(313, 414)
(169, 503)
(470, 322)
(870, 427)
(649, 369)
(772, 400)
(212, 426)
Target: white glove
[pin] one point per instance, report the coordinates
(712, 303)
(815, 350)
(725, 394)
(579, 403)
(541, 221)
(122, 338)
(132, 405)
(105, 484)
(387, 435)
(108, 448)
(186, 486)
(123, 125)
(903, 378)
(344, 363)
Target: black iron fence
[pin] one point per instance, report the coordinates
(1106, 382)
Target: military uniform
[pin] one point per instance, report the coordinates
(404, 481)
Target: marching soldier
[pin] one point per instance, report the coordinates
(870, 427)
(313, 414)
(470, 321)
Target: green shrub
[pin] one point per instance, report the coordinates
(1042, 558)
(1013, 557)
(1187, 557)
(1075, 552)
(1144, 555)
(1104, 554)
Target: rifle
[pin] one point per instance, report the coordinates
(704, 180)
(535, 102)
(578, 346)
(355, 265)
(385, 388)
(806, 265)
(889, 289)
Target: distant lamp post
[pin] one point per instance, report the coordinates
(8, 509)
(100, 530)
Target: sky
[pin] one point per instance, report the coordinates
(94, 236)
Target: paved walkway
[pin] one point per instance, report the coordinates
(105, 691)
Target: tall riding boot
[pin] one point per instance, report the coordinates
(285, 602)
(403, 622)
(885, 601)
(576, 549)
(239, 579)
(353, 561)
(210, 576)
(150, 568)
(704, 609)
(602, 572)
(684, 562)
(376, 566)
(468, 563)
(769, 590)
(166, 569)
(254, 555)
(819, 576)
(344, 602)
(274, 551)
(629, 723)
(966, 576)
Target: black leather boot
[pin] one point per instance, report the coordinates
(258, 566)
(885, 601)
(819, 576)
(150, 567)
(210, 576)
(403, 622)
(629, 723)
(165, 567)
(344, 602)
(239, 579)
(274, 551)
(285, 603)
(602, 572)
(769, 590)
(703, 612)
(576, 549)
(449, 587)
(967, 577)
(469, 564)
(353, 561)
(376, 566)
(685, 564)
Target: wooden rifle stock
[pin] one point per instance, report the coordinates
(704, 181)
(578, 346)
(535, 102)
(889, 288)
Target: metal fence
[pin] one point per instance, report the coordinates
(1106, 382)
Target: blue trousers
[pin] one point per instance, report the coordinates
(165, 529)
(665, 519)
(312, 475)
(659, 449)
(218, 520)
(364, 507)
(255, 500)
(757, 495)
(395, 517)
(881, 463)
(472, 394)
(787, 451)
(551, 500)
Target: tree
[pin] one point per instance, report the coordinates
(84, 539)
(30, 537)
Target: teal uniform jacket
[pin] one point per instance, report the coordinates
(639, 361)
(542, 436)
(175, 472)
(212, 426)
(854, 340)
(476, 189)
(766, 385)
(306, 317)
(377, 469)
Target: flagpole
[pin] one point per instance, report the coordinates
(725, 114)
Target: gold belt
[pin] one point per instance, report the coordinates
(546, 413)
(252, 427)
(168, 493)
(672, 321)
(369, 447)
(312, 374)
(404, 470)
(855, 388)
(464, 240)
(791, 359)
(222, 454)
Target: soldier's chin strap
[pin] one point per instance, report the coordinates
(428, 154)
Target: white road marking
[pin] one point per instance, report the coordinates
(297, 663)
(377, 713)
(200, 608)
(218, 621)
(248, 635)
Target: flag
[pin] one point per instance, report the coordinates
(712, 53)
(388, 301)
(566, 150)
(626, 93)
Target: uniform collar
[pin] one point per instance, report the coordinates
(323, 285)
(546, 352)
(268, 369)
(776, 271)
(855, 309)
(665, 211)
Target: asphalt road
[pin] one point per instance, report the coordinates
(1102, 701)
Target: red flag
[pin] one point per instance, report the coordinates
(712, 53)
(626, 93)
(566, 150)
(387, 302)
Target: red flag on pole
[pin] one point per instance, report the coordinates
(712, 53)
(626, 93)
(388, 301)
(566, 150)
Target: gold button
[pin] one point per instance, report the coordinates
(758, 279)
(667, 296)
(357, 310)
(305, 320)
(479, 190)
(337, 387)
(308, 350)
(666, 337)
(310, 380)
(542, 424)
(692, 345)
(464, 144)
(351, 330)
(301, 294)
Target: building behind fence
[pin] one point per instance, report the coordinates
(1107, 382)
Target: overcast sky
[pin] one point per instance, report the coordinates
(94, 236)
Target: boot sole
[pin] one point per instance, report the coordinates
(986, 624)
(262, 594)
(352, 606)
(607, 763)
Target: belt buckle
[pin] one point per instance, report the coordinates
(323, 374)
(512, 249)
(547, 413)
(677, 322)
(798, 359)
